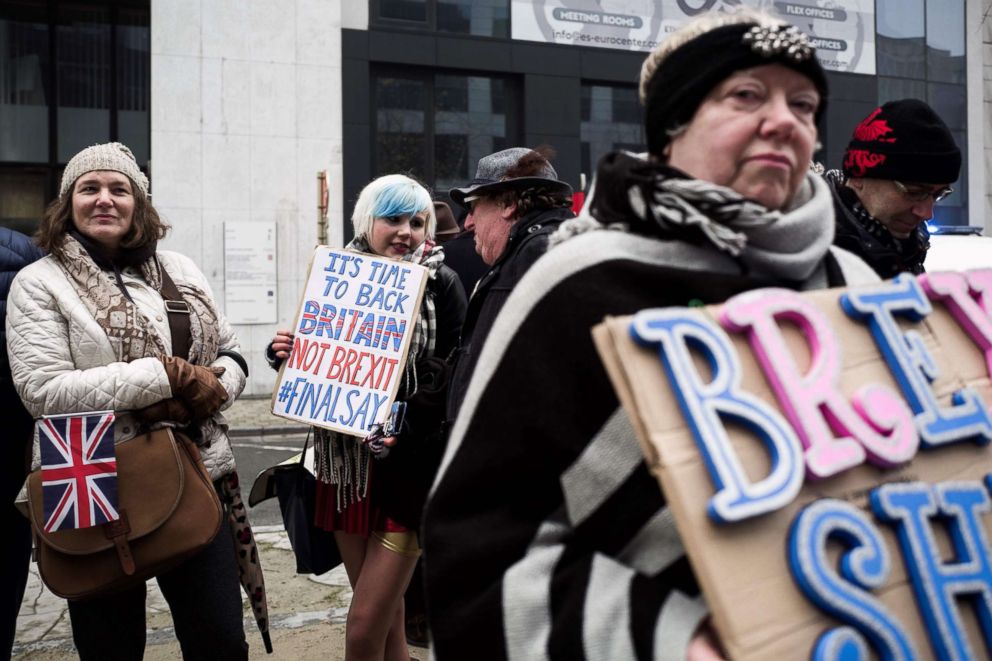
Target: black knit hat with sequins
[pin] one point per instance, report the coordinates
(687, 75)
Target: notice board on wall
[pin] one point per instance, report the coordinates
(250, 275)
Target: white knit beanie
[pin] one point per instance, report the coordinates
(110, 156)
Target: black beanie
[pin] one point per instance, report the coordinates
(687, 75)
(904, 140)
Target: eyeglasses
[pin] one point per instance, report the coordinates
(469, 202)
(917, 194)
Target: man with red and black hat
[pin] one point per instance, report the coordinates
(900, 162)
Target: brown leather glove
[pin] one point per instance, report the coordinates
(168, 410)
(195, 386)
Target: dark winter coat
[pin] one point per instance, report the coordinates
(527, 243)
(867, 238)
(546, 535)
(405, 476)
(16, 252)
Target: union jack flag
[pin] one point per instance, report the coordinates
(78, 470)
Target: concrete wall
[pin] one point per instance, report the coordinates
(980, 122)
(246, 108)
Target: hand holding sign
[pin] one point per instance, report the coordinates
(282, 343)
(821, 452)
(345, 354)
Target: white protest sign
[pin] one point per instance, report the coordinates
(352, 335)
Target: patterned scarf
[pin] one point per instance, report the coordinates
(121, 319)
(343, 460)
(633, 194)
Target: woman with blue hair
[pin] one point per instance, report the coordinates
(372, 501)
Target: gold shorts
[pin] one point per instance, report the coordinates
(404, 543)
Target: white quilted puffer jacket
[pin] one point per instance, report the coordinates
(63, 362)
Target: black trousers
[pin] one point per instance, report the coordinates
(14, 573)
(203, 595)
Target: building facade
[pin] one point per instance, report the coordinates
(233, 107)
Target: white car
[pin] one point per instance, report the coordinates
(958, 249)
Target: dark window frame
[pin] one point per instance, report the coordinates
(927, 80)
(589, 169)
(53, 166)
(428, 76)
(429, 24)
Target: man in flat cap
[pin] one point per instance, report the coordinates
(514, 203)
(900, 162)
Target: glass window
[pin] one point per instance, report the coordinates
(900, 43)
(610, 120)
(82, 74)
(488, 18)
(953, 210)
(400, 122)
(945, 41)
(72, 74)
(24, 70)
(133, 73)
(950, 102)
(893, 89)
(466, 134)
(404, 10)
(452, 93)
(437, 126)
(451, 160)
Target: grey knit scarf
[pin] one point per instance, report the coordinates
(632, 194)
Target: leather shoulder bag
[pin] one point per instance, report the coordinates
(168, 507)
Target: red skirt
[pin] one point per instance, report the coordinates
(360, 517)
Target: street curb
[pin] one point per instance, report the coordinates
(267, 431)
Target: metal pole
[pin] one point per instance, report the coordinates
(322, 199)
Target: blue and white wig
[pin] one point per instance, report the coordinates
(388, 196)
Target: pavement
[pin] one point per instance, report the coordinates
(307, 613)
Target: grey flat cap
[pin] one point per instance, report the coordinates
(490, 176)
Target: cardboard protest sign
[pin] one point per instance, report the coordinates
(827, 460)
(351, 338)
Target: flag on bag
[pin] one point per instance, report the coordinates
(78, 470)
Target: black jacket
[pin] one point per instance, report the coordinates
(461, 257)
(405, 476)
(543, 488)
(527, 243)
(16, 252)
(869, 240)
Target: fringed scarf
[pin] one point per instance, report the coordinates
(110, 304)
(343, 460)
(642, 197)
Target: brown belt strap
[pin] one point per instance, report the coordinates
(178, 311)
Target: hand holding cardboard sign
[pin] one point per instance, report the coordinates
(703, 646)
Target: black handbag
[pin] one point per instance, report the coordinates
(296, 489)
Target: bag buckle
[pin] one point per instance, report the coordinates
(177, 306)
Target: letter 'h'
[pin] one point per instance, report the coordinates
(938, 585)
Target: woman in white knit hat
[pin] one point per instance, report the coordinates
(88, 330)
